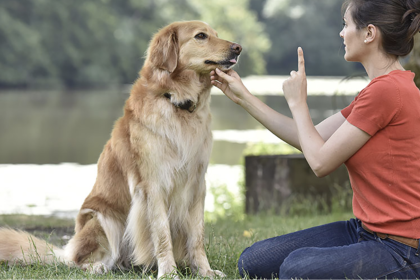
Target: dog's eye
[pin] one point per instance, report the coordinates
(201, 36)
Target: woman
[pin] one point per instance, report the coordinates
(377, 137)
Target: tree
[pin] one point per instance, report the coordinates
(313, 25)
(21, 50)
(414, 60)
(81, 43)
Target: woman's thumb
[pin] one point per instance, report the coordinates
(222, 74)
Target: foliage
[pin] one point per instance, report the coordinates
(79, 43)
(313, 25)
(75, 43)
(227, 204)
(414, 61)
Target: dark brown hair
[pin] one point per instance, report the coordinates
(397, 20)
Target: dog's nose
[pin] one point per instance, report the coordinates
(236, 48)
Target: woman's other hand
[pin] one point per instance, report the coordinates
(230, 83)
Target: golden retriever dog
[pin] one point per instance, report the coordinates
(147, 205)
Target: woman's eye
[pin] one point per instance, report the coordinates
(201, 36)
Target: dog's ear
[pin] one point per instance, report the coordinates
(164, 49)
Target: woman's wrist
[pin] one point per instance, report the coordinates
(297, 106)
(244, 99)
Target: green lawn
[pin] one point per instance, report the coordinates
(225, 240)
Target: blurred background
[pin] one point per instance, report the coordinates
(66, 68)
(101, 43)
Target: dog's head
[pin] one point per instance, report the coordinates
(191, 45)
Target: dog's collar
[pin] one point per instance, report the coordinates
(188, 105)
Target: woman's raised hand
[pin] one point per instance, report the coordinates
(295, 87)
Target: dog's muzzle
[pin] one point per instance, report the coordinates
(229, 62)
(187, 105)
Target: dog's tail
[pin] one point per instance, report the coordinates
(19, 247)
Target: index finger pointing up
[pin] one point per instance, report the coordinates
(301, 61)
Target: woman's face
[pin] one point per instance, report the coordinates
(353, 38)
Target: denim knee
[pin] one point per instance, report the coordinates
(292, 266)
(242, 263)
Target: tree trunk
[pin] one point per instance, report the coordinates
(274, 181)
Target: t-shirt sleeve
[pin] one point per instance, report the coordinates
(375, 107)
(346, 111)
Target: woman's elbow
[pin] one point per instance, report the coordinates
(321, 170)
(320, 174)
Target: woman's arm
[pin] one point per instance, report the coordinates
(231, 85)
(323, 155)
(279, 124)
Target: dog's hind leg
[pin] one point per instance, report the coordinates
(89, 248)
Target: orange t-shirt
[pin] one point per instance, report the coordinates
(385, 172)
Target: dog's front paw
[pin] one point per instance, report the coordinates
(95, 268)
(171, 275)
(213, 274)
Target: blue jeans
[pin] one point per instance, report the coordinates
(334, 251)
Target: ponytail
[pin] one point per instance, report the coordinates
(412, 16)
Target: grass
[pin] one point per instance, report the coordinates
(225, 241)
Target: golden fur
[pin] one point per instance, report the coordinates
(147, 204)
